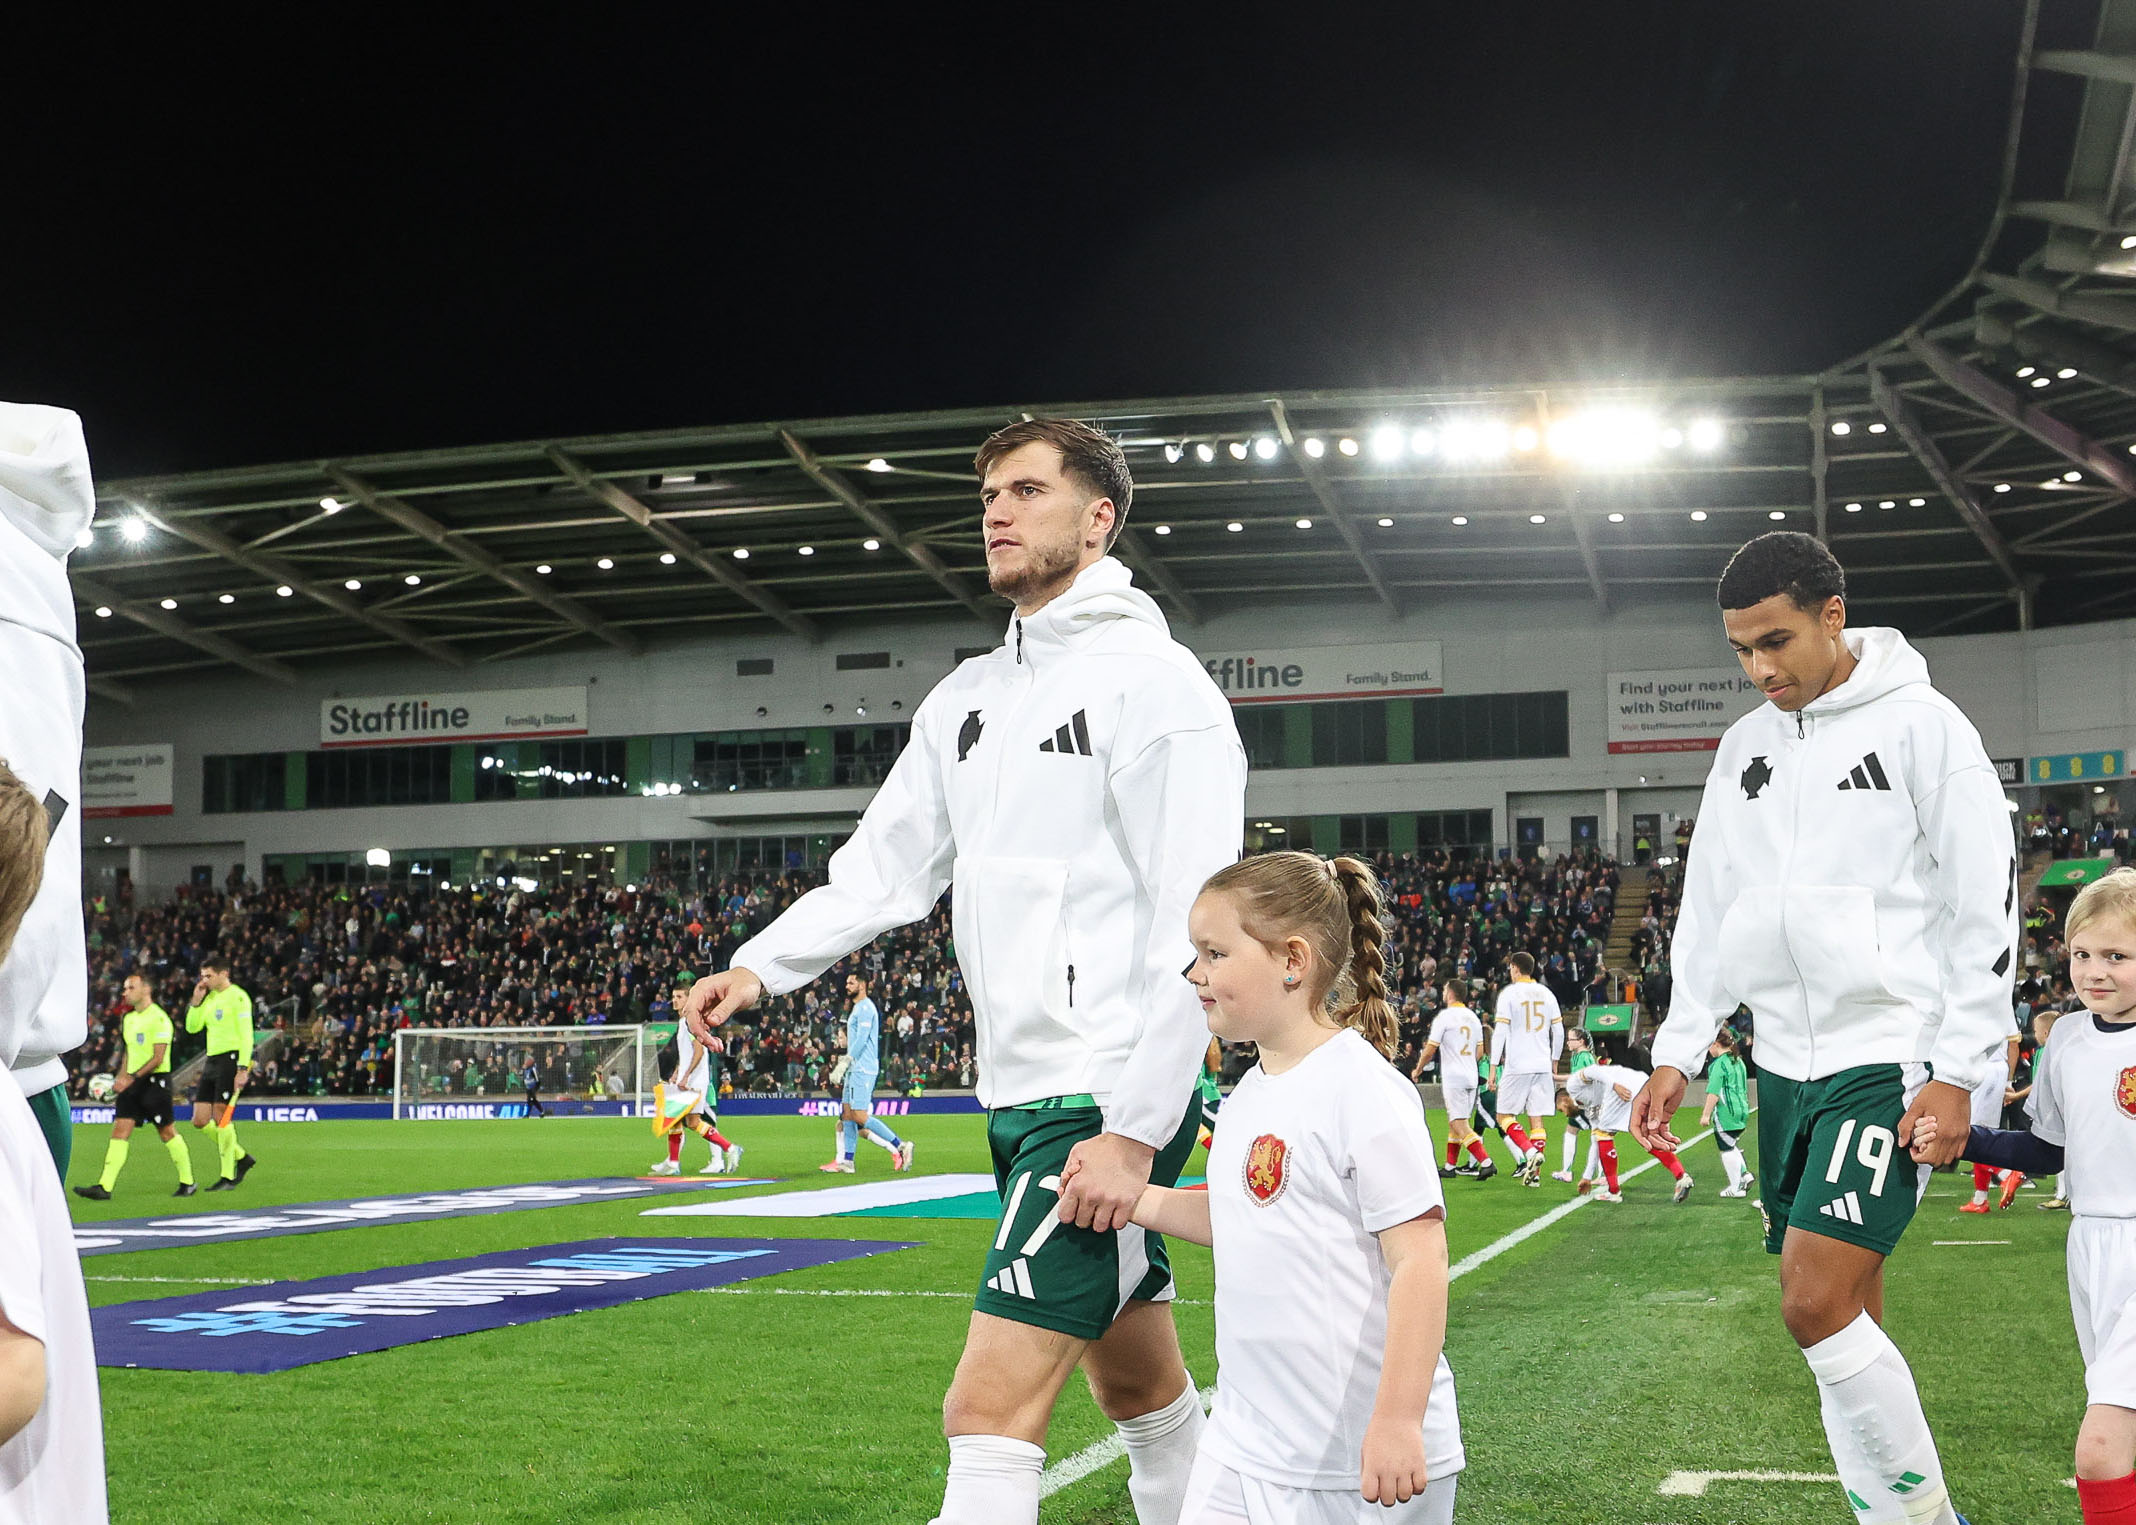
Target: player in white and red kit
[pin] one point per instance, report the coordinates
(1456, 1041)
(1525, 1044)
(1606, 1091)
(1988, 1099)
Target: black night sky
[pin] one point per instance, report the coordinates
(393, 230)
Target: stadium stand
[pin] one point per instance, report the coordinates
(339, 967)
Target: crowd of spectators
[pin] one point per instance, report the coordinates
(335, 970)
(2051, 830)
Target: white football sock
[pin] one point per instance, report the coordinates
(1732, 1162)
(1160, 1453)
(2061, 1186)
(1572, 1144)
(993, 1480)
(1593, 1167)
(1879, 1436)
(881, 1143)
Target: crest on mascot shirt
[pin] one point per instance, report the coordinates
(1267, 1169)
(2124, 1094)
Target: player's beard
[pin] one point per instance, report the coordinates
(1046, 570)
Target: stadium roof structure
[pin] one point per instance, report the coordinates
(1975, 472)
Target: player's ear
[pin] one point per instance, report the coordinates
(1102, 515)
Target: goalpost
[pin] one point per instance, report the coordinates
(604, 1062)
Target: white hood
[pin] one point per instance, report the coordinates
(1102, 592)
(46, 501)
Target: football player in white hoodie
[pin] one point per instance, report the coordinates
(1077, 785)
(46, 502)
(1854, 884)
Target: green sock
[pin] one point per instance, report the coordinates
(181, 1158)
(115, 1161)
(226, 1149)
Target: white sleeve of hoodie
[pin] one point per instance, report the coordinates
(1182, 808)
(1698, 1002)
(890, 872)
(1965, 825)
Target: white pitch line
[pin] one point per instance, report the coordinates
(1940, 1243)
(1102, 1453)
(1692, 1485)
(1177, 1302)
(199, 1281)
(189, 1280)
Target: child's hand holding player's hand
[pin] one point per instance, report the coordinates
(1391, 1470)
(1924, 1139)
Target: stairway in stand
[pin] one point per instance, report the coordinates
(1633, 887)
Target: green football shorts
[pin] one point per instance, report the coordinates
(1830, 1157)
(1052, 1274)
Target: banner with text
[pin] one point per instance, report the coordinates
(1282, 675)
(120, 781)
(1681, 711)
(505, 714)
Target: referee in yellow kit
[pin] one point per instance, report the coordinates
(225, 1011)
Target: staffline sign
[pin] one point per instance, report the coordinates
(505, 714)
(1285, 674)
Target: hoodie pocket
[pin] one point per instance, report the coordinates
(1832, 932)
(1012, 938)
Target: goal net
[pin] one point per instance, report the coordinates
(602, 1064)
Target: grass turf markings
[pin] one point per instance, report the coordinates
(1944, 1244)
(1103, 1452)
(1693, 1485)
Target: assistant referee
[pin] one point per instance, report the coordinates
(225, 1011)
(144, 1092)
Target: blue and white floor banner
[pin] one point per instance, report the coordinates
(117, 1235)
(830, 1201)
(301, 1323)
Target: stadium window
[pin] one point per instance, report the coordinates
(1489, 727)
(1349, 734)
(738, 760)
(583, 768)
(861, 661)
(241, 782)
(752, 667)
(1261, 733)
(1266, 834)
(378, 776)
(1362, 833)
(863, 754)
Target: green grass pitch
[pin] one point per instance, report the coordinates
(1593, 1359)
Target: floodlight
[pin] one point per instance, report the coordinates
(377, 857)
(1347, 446)
(871, 545)
(226, 598)
(2072, 476)
(1525, 438)
(2024, 371)
(2002, 486)
(133, 531)
(741, 553)
(1387, 442)
(879, 464)
(85, 539)
(2039, 381)
(1535, 518)
(667, 558)
(1777, 514)
(545, 569)
(1841, 426)
(412, 580)
(1386, 524)
(606, 564)
(1854, 508)
(284, 591)
(1234, 526)
(1265, 447)
(1917, 502)
(806, 550)
(1876, 428)
(2065, 373)
(1162, 529)
(1421, 442)
(1172, 453)
(331, 505)
(1205, 453)
(1238, 449)
(1616, 518)
(170, 603)
(1315, 447)
(1461, 518)
(1606, 437)
(103, 611)
(354, 585)
(1698, 516)
(1305, 524)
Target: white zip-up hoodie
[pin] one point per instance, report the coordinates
(46, 501)
(1853, 881)
(1078, 785)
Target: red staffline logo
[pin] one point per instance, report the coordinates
(2125, 1092)
(1267, 1169)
